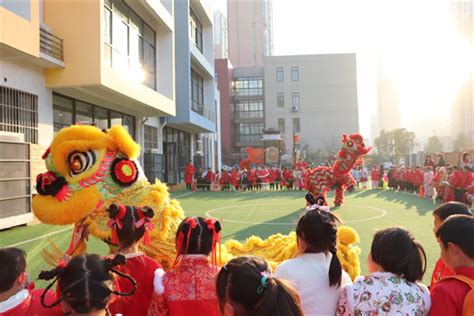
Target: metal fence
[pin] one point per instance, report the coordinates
(51, 45)
(19, 113)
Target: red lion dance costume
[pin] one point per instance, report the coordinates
(321, 180)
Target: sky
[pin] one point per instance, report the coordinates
(418, 40)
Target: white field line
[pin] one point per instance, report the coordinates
(40, 237)
(181, 195)
(382, 213)
(62, 230)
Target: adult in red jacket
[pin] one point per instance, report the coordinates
(188, 177)
(457, 182)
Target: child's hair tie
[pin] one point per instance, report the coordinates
(263, 282)
(144, 220)
(115, 222)
(215, 227)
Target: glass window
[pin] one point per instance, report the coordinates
(101, 117)
(281, 125)
(68, 111)
(83, 112)
(296, 125)
(120, 44)
(129, 44)
(129, 124)
(248, 86)
(295, 74)
(195, 29)
(115, 118)
(280, 99)
(248, 132)
(150, 134)
(248, 109)
(62, 112)
(279, 74)
(197, 92)
(295, 99)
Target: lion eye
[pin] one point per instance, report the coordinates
(81, 161)
(350, 144)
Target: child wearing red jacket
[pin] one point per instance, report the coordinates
(189, 287)
(440, 214)
(456, 240)
(130, 225)
(17, 296)
(374, 176)
(456, 181)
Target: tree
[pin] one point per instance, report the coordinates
(395, 144)
(434, 145)
(460, 142)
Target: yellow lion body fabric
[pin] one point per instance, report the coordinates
(89, 169)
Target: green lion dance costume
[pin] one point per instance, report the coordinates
(89, 169)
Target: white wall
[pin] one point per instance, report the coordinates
(30, 78)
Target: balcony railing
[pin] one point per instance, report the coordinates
(51, 45)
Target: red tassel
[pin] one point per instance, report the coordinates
(146, 237)
(114, 236)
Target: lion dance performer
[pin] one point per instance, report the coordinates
(320, 180)
(89, 169)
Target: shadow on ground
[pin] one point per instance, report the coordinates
(268, 228)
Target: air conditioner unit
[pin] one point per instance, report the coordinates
(294, 108)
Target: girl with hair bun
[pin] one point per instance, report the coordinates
(316, 274)
(188, 288)
(85, 284)
(395, 263)
(245, 287)
(130, 226)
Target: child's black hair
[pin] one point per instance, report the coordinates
(86, 282)
(319, 230)
(459, 230)
(451, 208)
(129, 233)
(246, 283)
(200, 234)
(13, 264)
(396, 251)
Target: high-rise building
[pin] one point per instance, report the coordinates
(313, 96)
(388, 115)
(221, 43)
(250, 25)
(463, 107)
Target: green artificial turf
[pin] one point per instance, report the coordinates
(264, 213)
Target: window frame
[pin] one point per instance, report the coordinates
(124, 117)
(143, 41)
(197, 97)
(195, 30)
(295, 73)
(247, 86)
(280, 74)
(248, 109)
(280, 99)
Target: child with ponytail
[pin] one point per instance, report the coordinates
(131, 225)
(188, 288)
(245, 287)
(316, 274)
(395, 263)
(85, 284)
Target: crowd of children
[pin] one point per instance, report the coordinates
(443, 182)
(314, 283)
(247, 179)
